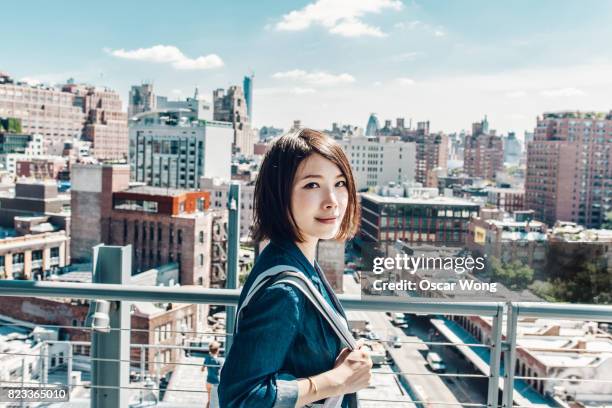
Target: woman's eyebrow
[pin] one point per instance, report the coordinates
(319, 176)
(311, 176)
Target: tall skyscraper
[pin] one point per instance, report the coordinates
(373, 125)
(231, 107)
(569, 171)
(141, 99)
(484, 152)
(512, 149)
(432, 157)
(247, 84)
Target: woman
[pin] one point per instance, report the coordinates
(285, 354)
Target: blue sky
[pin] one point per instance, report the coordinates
(450, 62)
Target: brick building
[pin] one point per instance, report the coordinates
(569, 171)
(164, 226)
(91, 198)
(71, 110)
(33, 256)
(35, 198)
(506, 199)
(151, 325)
(516, 238)
(484, 152)
(41, 168)
(439, 220)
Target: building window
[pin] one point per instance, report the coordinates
(18, 258)
(135, 205)
(201, 237)
(180, 236)
(37, 255)
(201, 259)
(55, 252)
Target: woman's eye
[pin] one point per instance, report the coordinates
(341, 183)
(311, 185)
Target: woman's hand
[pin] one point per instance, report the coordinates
(352, 369)
(351, 373)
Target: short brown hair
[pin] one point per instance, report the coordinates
(272, 203)
(214, 346)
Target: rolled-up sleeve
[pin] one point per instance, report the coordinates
(250, 377)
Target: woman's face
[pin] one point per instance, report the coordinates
(319, 198)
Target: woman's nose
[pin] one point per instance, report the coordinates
(331, 201)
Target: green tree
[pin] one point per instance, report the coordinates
(591, 283)
(543, 289)
(514, 275)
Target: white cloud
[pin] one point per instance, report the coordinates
(515, 94)
(341, 17)
(315, 78)
(551, 93)
(405, 81)
(439, 33)
(356, 28)
(169, 54)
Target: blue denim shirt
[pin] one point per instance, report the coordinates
(281, 338)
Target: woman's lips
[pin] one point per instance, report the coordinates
(327, 220)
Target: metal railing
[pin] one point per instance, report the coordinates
(497, 311)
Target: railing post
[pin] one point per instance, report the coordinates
(495, 358)
(510, 355)
(69, 366)
(110, 379)
(23, 378)
(142, 371)
(233, 248)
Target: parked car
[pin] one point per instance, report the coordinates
(395, 342)
(399, 320)
(435, 362)
(372, 336)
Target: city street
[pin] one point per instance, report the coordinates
(425, 385)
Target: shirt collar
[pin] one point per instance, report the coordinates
(293, 250)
